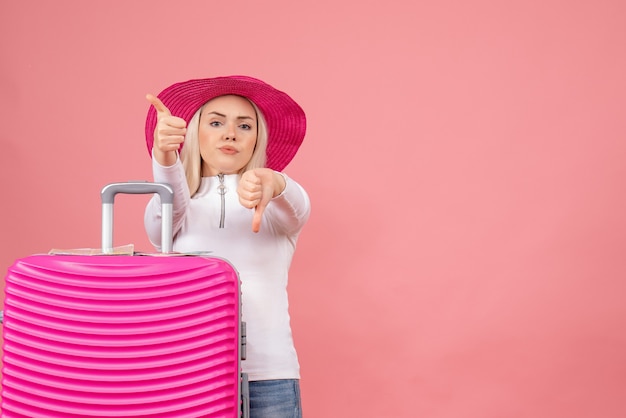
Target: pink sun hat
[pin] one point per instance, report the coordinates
(285, 119)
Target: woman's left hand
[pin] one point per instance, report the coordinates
(256, 188)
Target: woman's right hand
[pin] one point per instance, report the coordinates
(169, 133)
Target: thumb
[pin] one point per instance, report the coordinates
(268, 192)
(161, 109)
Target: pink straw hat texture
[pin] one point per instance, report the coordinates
(285, 119)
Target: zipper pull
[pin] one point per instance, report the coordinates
(221, 189)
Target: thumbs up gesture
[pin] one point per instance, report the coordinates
(256, 188)
(169, 133)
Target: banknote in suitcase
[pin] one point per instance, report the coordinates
(108, 335)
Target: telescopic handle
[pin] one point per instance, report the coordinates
(164, 190)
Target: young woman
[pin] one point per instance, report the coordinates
(221, 143)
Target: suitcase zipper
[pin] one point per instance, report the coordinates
(221, 189)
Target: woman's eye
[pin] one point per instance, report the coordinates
(215, 123)
(246, 127)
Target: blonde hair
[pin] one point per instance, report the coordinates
(192, 160)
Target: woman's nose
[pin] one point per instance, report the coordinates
(230, 133)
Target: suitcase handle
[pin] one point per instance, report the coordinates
(164, 190)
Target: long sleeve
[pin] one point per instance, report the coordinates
(290, 210)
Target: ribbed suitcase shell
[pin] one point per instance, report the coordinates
(121, 336)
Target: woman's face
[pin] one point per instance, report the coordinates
(227, 135)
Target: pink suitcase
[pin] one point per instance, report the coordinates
(123, 336)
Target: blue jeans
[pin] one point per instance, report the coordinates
(275, 399)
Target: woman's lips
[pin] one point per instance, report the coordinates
(228, 150)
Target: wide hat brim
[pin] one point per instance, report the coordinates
(285, 119)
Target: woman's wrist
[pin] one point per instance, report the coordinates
(165, 159)
(280, 183)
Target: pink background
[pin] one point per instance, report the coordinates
(466, 161)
